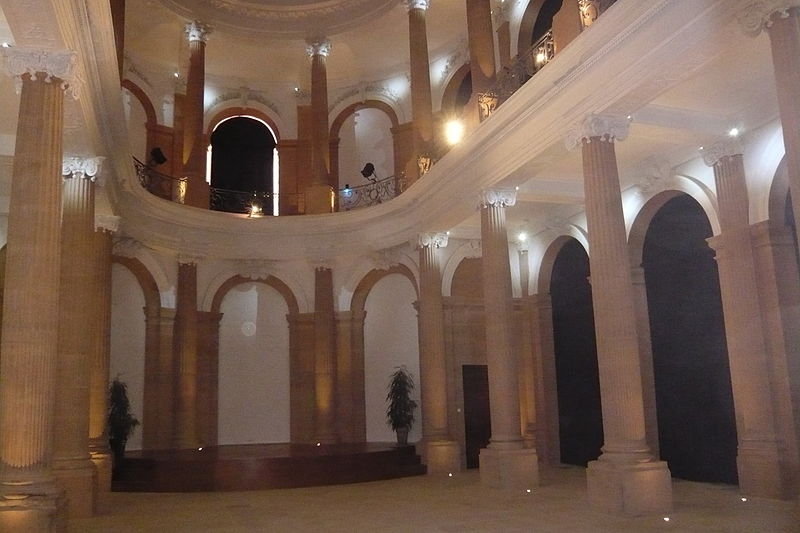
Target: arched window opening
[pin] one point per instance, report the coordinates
(243, 166)
(545, 19)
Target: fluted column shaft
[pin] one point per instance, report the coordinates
(500, 355)
(481, 44)
(320, 131)
(186, 329)
(758, 455)
(529, 373)
(30, 305)
(71, 463)
(194, 151)
(324, 357)
(421, 102)
(612, 296)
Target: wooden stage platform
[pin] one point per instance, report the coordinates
(264, 466)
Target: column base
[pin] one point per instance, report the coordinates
(33, 513)
(509, 469)
(77, 479)
(102, 465)
(442, 457)
(629, 489)
(319, 199)
(761, 473)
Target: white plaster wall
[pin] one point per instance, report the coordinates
(366, 137)
(137, 133)
(348, 153)
(127, 341)
(253, 366)
(390, 340)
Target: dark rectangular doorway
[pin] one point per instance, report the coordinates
(477, 417)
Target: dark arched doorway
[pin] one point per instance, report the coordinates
(242, 159)
(579, 413)
(694, 400)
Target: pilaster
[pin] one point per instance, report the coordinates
(194, 151)
(324, 357)
(421, 102)
(186, 434)
(319, 195)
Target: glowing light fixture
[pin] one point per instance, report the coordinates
(454, 132)
(522, 237)
(666, 519)
(734, 132)
(176, 74)
(6, 45)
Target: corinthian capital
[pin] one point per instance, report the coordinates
(107, 223)
(318, 47)
(435, 240)
(81, 167)
(53, 64)
(717, 151)
(755, 15)
(416, 4)
(606, 127)
(197, 31)
(498, 197)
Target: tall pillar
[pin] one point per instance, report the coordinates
(528, 372)
(505, 463)
(781, 20)
(186, 435)
(442, 453)
(646, 358)
(421, 103)
(100, 352)
(72, 466)
(548, 442)
(759, 458)
(28, 492)
(324, 357)
(626, 479)
(194, 151)
(482, 68)
(319, 195)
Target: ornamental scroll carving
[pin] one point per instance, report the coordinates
(436, 240)
(53, 64)
(755, 15)
(416, 4)
(81, 167)
(487, 102)
(722, 149)
(197, 31)
(318, 48)
(498, 198)
(605, 127)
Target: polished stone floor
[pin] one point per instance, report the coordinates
(436, 504)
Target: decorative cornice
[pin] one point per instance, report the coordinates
(605, 127)
(717, 151)
(756, 15)
(436, 240)
(109, 223)
(197, 31)
(318, 47)
(81, 167)
(498, 198)
(255, 269)
(53, 64)
(416, 4)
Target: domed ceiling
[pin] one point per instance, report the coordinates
(291, 19)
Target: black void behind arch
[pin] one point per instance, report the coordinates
(242, 155)
(580, 418)
(694, 399)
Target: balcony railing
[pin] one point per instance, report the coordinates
(373, 193)
(514, 76)
(161, 185)
(256, 203)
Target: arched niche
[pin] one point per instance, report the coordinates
(272, 281)
(374, 276)
(141, 132)
(453, 96)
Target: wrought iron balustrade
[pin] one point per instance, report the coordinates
(256, 203)
(514, 76)
(161, 185)
(373, 193)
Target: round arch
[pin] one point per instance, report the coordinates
(337, 123)
(233, 112)
(549, 259)
(526, 24)
(450, 94)
(778, 193)
(272, 281)
(641, 223)
(147, 282)
(359, 298)
(149, 109)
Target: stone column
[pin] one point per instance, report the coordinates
(186, 435)
(324, 357)
(759, 458)
(646, 358)
(194, 149)
(161, 323)
(442, 453)
(100, 352)
(626, 479)
(504, 463)
(72, 466)
(528, 372)
(481, 53)
(781, 20)
(548, 442)
(503, 33)
(421, 103)
(319, 195)
(28, 492)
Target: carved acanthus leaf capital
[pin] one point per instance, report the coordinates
(197, 31)
(53, 64)
(717, 151)
(255, 269)
(498, 197)
(756, 15)
(81, 167)
(108, 223)
(319, 47)
(608, 128)
(416, 4)
(435, 240)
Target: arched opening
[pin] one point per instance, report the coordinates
(243, 159)
(254, 396)
(365, 136)
(390, 340)
(458, 92)
(580, 418)
(536, 22)
(694, 399)
(545, 19)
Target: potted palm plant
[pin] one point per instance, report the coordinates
(121, 422)
(400, 413)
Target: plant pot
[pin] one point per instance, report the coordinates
(402, 436)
